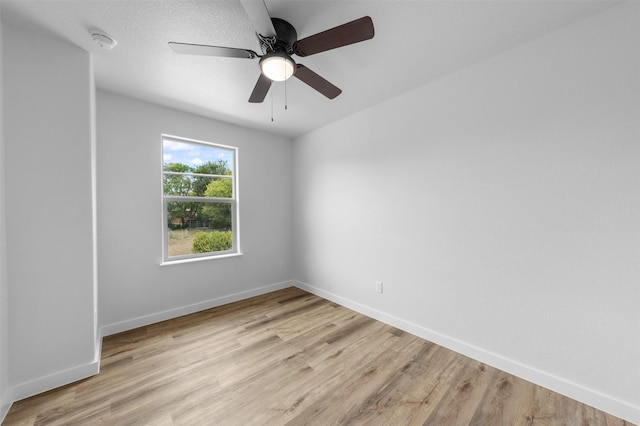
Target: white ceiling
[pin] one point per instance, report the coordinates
(415, 43)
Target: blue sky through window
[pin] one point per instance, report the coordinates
(194, 154)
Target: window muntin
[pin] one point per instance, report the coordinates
(199, 199)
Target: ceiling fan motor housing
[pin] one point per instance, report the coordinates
(286, 35)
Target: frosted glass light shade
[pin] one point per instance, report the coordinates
(277, 66)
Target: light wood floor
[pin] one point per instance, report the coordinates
(292, 358)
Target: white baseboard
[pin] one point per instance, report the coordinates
(189, 309)
(51, 381)
(54, 380)
(591, 397)
(6, 401)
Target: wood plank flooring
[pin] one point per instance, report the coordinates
(292, 358)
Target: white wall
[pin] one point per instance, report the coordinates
(134, 289)
(500, 208)
(5, 397)
(48, 108)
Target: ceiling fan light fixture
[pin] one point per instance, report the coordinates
(277, 66)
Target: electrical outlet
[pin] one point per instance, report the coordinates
(379, 287)
(281, 265)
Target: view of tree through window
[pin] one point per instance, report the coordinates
(198, 182)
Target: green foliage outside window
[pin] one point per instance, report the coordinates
(205, 242)
(185, 214)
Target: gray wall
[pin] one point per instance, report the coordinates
(48, 89)
(5, 397)
(134, 288)
(499, 207)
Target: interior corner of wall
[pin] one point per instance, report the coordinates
(6, 401)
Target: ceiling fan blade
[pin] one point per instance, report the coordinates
(342, 35)
(315, 81)
(259, 16)
(260, 90)
(206, 50)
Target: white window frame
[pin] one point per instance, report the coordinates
(235, 223)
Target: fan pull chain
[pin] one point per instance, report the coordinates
(285, 94)
(271, 106)
(284, 64)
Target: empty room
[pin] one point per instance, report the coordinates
(319, 212)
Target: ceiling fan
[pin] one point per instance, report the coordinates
(278, 41)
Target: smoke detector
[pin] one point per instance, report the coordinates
(103, 40)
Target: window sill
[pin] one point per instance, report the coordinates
(198, 259)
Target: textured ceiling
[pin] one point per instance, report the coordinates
(415, 42)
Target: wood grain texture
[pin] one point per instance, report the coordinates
(292, 358)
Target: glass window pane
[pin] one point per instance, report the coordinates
(177, 185)
(198, 227)
(195, 173)
(204, 186)
(207, 158)
(197, 186)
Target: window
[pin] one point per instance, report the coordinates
(200, 199)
